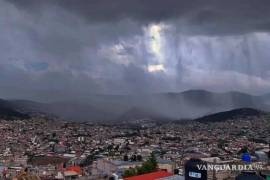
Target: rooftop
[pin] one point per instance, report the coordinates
(150, 176)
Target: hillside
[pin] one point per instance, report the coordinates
(9, 113)
(188, 104)
(228, 115)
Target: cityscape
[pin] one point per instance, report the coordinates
(134, 90)
(50, 148)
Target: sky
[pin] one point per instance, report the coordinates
(66, 49)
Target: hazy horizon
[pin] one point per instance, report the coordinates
(81, 98)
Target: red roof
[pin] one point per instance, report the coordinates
(77, 169)
(150, 176)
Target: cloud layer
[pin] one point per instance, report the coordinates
(54, 50)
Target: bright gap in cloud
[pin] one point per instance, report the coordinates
(156, 68)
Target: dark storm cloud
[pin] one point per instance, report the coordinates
(210, 17)
(53, 49)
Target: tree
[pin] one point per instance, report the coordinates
(148, 166)
(133, 157)
(110, 147)
(116, 148)
(125, 157)
(153, 162)
(243, 150)
(139, 158)
(130, 172)
(53, 134)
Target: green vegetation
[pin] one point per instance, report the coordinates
(130, 172)
(148, 166)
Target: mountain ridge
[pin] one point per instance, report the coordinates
(229, 115)
(189, 104)
(7, 111)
